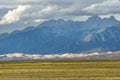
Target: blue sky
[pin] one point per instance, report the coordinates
(18, 14)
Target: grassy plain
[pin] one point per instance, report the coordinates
(60, 70)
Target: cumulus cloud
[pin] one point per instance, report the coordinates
(14, 15)
(33, 12)
(49, 11)
(53, 9)
(106, 7)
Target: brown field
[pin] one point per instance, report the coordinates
(60, 70)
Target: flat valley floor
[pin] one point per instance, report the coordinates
(60, 70)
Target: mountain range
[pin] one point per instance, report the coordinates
(60, 36)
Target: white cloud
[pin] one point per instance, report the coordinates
(117, 16)
(106, 7)
(14, 15)
(49, 12)
(27, 15)
(36, 11)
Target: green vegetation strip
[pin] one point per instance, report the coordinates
(60, 70)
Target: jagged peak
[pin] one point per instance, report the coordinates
(94, 18)
(61, 20)
(112, 18)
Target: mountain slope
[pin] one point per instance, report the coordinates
(107, 40)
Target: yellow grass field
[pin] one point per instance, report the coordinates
(60, 70)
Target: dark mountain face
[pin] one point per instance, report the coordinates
(59, 36)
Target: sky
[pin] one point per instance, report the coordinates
(19, 14)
